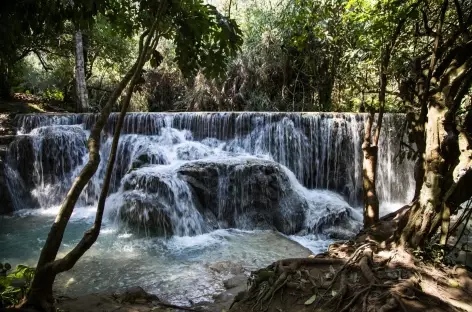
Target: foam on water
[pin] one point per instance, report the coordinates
(86, 214)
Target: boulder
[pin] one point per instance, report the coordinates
(6, 205)
(226, 267)
(134, 151)
(235, 281)
(246, 193)
(144, 214)
(154, 201)
(46, 157)
(48, 154)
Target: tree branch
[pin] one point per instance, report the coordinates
(462, 90)
(53, 242)
(429, 30)
(458, 52)
(91, 235)
(460, 17)
(433, 61)
(453, 77)
(43, 63)
(22, 55)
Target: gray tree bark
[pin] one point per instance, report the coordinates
(80, 84)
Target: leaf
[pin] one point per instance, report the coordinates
(454, 283)
(311, 300)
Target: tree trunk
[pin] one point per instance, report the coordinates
(370, 147)
(370, 151)
(369, 167)
(40, 294)
(447, 177)
(4, 84)
(429, 203)
(80, 84)
(450, 75)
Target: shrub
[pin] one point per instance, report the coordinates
(13, 286)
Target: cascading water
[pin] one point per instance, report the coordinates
(188, 176)
(323, 150)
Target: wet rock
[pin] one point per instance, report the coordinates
(134, 152)
(235, 281)
(6, 206)
(154, 201)
(225, 296)
(192, 151)
(52, 152)
(145, 215)
(227, 267)
(147, 158)
(134, 295)
(47, 156)
(246, 193)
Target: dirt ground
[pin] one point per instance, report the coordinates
(137, 300)
(25, 104)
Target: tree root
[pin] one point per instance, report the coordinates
(351, 259)
(365, 267)
(360, 283)
(356, 297)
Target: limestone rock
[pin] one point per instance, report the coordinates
(246, 193)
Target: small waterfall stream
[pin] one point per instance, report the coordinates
(208, 178)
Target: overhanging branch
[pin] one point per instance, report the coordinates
(43, 62)
(91, 235)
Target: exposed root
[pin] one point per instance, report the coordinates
(364, 282)
(356, 297)
(364, 264)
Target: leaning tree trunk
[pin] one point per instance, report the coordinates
(40, 294)
(80, 84)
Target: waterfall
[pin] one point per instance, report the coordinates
(188, 173)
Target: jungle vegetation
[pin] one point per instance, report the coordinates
(409, 56)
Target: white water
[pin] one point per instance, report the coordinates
(158, 233)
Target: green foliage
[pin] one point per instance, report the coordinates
(204, 38)
(300, 55)
(434, 254)
(203, 41)
(53, 95)
(13, 286)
